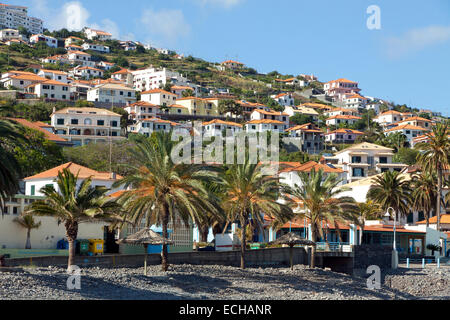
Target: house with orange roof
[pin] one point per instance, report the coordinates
(93, 34)
(80, 58)
(86, 73)
(20, 80)
(159, 97)
(342, 112)
(56, 75)
(260, 114)
(259, 126)
(342, 135)
(85, 125)
(123, 75)
(355, 100)
(50, 89)
(105, 65)
(173, 109)
(342, 119)
(309, 136)
(142, 110)
(150, 125)
(317, 106)
(310, 112)
(200, 106)
(417, 121)
(292, 82)
(112, 93)
(179, 90)
(339, 89)
(284, 99)
(218, 127)
(231, 64)
(48, 40)
(73, 47)
(391, 116)
(34, 184)
(71, 40)
(410, 131)
(95, 47)
(57, 59)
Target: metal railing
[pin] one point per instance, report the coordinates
(333, 246)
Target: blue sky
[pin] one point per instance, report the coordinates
(406, 61)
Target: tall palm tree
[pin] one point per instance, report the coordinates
(27, 222)
(366, 210)
(73, 205)
(434, 156)
(319, 195)
(424, 193)
(392, 190)
(10, 135)
(163, 190)
(248, 194)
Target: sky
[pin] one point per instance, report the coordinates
(406, 60)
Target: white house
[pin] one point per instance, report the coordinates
(159, 97)
(92, 34)
(265, 125)
(49, 41)
(390, 117)
(86, 72)
(142, 110)
(56, 75)
(72, 40)
(34, 184)
(105, 65)
(310, 112)
(217, 127)
(342, 135)
(355, 101)
(20, 79)
(95, 47)
(112, 92)
(73, 47)
(365, 159)
(337, 120)
(148, 126)
(50, 89)
(309, 136)
(260, 114)
(9, 34)
(153, 78)
(84, 125)
(284, 99)
(80, 58)
(341, 112)
(410, 131)
(339, 89)
(57, 59)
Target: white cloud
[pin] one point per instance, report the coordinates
(416, 40)
(73, 16)
(223, 3)
(166, 25)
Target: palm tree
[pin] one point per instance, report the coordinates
(366, 210)
(391, 190)
(319, 195)
(247, 194)
(10, 134)
(27, 222)
(72, 205)
(424, 192)
(162, 190)
(434, 156)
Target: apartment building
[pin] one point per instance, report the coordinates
(84, 125)
(220, 128)
(95, 47)
(13, 17)
(342, 136)
(100, 35)
(159, 97)
(311, 138)
(340, 89)
(112, 92)
(50, 89)
(49, 41)
(153, 78)
(363, 160)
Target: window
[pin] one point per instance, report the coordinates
(60, 121)
(358, 172)
(113, 123)
(100, 122)
(33, 190)
(383, 159)
(356, 159)
(74, 121)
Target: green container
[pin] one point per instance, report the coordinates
(84, 246)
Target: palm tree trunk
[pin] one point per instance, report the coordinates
(204, 231)
(291, 256)
(28, 244)
(313, 249)
(145, 261)
(361, 234)
(164, 254)
(438, 200)
(243, 242)
(71, 233)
